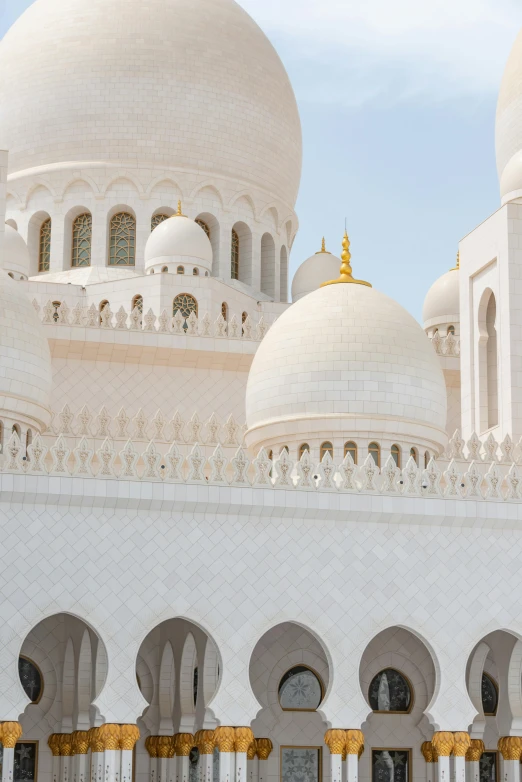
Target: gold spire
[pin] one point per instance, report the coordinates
(179, 213)
(457, 267)
(323, 250)
(346, 267)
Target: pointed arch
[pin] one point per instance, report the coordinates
(83, 179)
(244, 200)
(198, 192)
(124, 177)
(189, 662)
(39, 185)
(159, 180)
(272, 211)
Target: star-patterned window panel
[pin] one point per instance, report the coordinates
(300, 689)
(391, 765)
(300, 764)
(30, 678)
(391, 692)
(25, 761)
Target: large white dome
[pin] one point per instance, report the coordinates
(191, 84)
(346, 360)
(509, 125)
(25, 360)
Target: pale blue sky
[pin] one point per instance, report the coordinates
(397, 103)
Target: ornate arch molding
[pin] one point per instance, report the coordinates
(297, 657)
(167, 179)
(122, 176)
(211, 186)
(411, 671)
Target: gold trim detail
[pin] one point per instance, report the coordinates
(151, 746)
(456, 268)
(252, 751)
(130, 735)
(80, 742)
(243, 739)
(264, 748)
(427, 751)
(335, 740)
(54, 744)
(183, 743)
(65, 745)
(11, 732)
(346, 267)
(475, 750)
(110, 733)
(461, 744)
(510, 747)
(96, 742)
(224, 738)
(179, 213)
(354, 741)
(443, 742)
(323, 250)
(205, 742)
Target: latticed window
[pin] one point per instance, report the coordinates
(184, 303)
(351, 448)
(138, 302)
(224, 311)
(374, 449)
(81, 240)
(195, 272)
(44, 250)
(326, 448)
(157, 220)
(396, 455)
(123, 240)
(234, 258)
(205, 227)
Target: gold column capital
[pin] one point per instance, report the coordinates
(110, 732)
(359, 754)
(205, 742)
(129, 736)
(183, 743)
(54, 744)
(335, 740)
(151, 746)
(475, 751)
(461, 743)
(354, 741)
(264, 748)
(96, 741)
(427, 751)
(79, 742)
(224, 738)
(65, 744)
(510, 747)
(165, 746)
(252, 751)
(443, 742)
(11, 732)
(243, 739)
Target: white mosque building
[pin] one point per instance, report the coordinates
(242, 540)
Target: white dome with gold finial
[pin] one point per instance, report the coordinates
(178, 241)
(442, 303)
(314, 271)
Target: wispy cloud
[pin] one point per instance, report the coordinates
(358, 51)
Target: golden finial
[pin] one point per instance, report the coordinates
(323, 250)
(179, 213)
(457, 265)
(346, 267)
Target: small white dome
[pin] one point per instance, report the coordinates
(319, 268)
(442, 302)
(25, 359)
(509, 125)
(346, 360)
(178, 240)
(15, 253)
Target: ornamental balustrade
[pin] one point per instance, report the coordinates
(477, 481)
(136, 320)
(446, 346)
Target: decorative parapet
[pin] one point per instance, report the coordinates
(193, 326)
(446, 346)
(476, 481)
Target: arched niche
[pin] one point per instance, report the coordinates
(488, 361)
(176, 669)
(394, 659)
(244, 238)
(283, 274)
(68, 240)
(72, 661)
(268, 270)
(33, 239)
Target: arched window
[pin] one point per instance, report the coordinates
(203, 225)
(81, 240)
(234, 258)
(414, 452)
(489, 695)
(195, 272)
(180, 270)
(122, 246)
(326, 447)
(391, 692)
(165, 270)
(44, 248)
(451, 330)
(31, 678)
(300, 689)
(137, 302)
(303, 448)
(56, 313)
(426, 459)
(224, 311)
(16, 428)
(351, 448)
(157, 220)
(184, 303)
(396, 455)
(374, 449)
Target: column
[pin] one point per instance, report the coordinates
(511, 748)
(54, 745)
(335, 740)
(165, 749)
(252, 763)
(111, 734)
(205, 743)
(80, 757)
(9, 735)
(354, 749)
(65, 757)
(473, 755)
(243, 738)
(443, 742)
(96, 745)
(129, 735)
(183, 743)
(225, 741)
(264, 750)
(429, 756)
(151, 745)
(461, 744)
